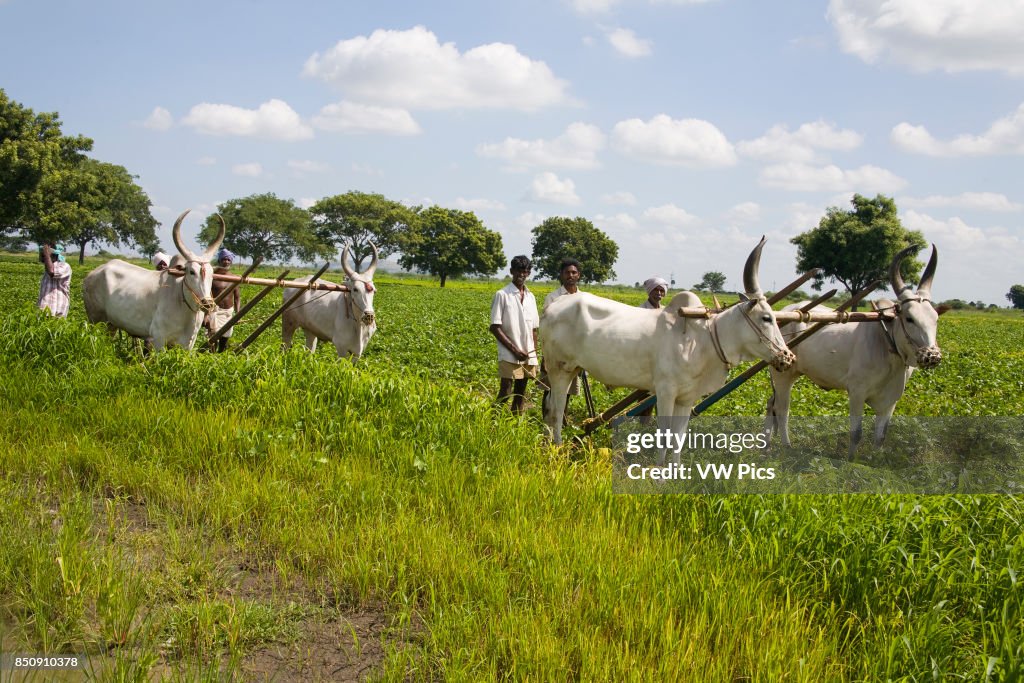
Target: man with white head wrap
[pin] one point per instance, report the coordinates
(656, 289)
(161, 260)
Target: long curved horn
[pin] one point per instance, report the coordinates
(176, 236)
(215, 245)
(345, 266)
(368, 273)
(750, 283)
(894, 271)
(929, 272)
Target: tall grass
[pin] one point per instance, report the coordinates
(495, 555)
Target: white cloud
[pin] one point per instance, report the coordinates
(745, 212)
(308, 166)
(273, 120)
(970, 257)
(619, 198)
(669, 214)
(349, 117)
(367, 169)
(984, 201)
(663, 140)
(251, 170)
(306, 202)
(780, 144)
(617, 222)
(159, 119)
(549, 188)
(831, 178)
(925, 35)
(206, 161)
(1004, 136)
(411, 69)
(479, 204)
(627, 44)
(577, 147)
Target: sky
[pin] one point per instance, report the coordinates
(684, 129)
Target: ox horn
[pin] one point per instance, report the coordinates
(345, 266)
(898, 286)
(211, 250)
(929, 272)
(368, 273)
(176, 236)
(750, 284)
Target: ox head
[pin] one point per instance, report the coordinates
(917, 318)
(360, 287)
(198, 280)
(766, 342)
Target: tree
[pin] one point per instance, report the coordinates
(90, 202)
(856, 247)
(560, 238)
(358, 218)
(450, 243)
(31, 146)
(263, 226)
(713, 281)
(1016, 296)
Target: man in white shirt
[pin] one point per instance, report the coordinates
(514, 323)
(55, 287)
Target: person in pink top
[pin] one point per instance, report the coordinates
(55, 287)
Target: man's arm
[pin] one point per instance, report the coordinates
(507, 343)
(47, 260)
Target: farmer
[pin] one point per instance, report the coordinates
(228, 307)
(161, 260)
(656, 289)
(514, 323)
(55, 287)
(569, 277)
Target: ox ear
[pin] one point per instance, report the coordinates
(944, 308)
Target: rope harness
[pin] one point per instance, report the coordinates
(202, 304)
(782, 357)
(926, 356)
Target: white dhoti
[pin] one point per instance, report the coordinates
(218, 318)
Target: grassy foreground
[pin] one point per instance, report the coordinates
(181, 517)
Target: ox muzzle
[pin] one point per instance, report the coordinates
(208, 305)
(368, 318)
(929, 357)
(783, 360)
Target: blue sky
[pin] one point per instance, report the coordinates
(683, 129)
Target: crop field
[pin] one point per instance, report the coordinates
(284, 516)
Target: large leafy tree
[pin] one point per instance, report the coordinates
(31, 146)
(560, 238)
(857, 246)
(1016, 296)
(91, 202)
(264, 226)
(712, 281)
(450, 243)
(357, 219)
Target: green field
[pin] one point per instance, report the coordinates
(284, 516)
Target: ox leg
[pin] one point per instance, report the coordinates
(311, 341)
(778, 405)
(856, 422)
(666, 417)
(559, 381)
(883, 413)
(288, 328)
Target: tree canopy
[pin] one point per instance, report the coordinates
(91, 202)
(713, 281)
(560, 238)
(855, 247)
(357, 218)
(450, 243)
(31, 146)
(1016, 296)
(266, 227)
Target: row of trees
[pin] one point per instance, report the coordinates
(50, 191)
(446, 243)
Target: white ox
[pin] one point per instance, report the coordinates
(155, 304)
(677, 358)
(345, 319)
(870, 361)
